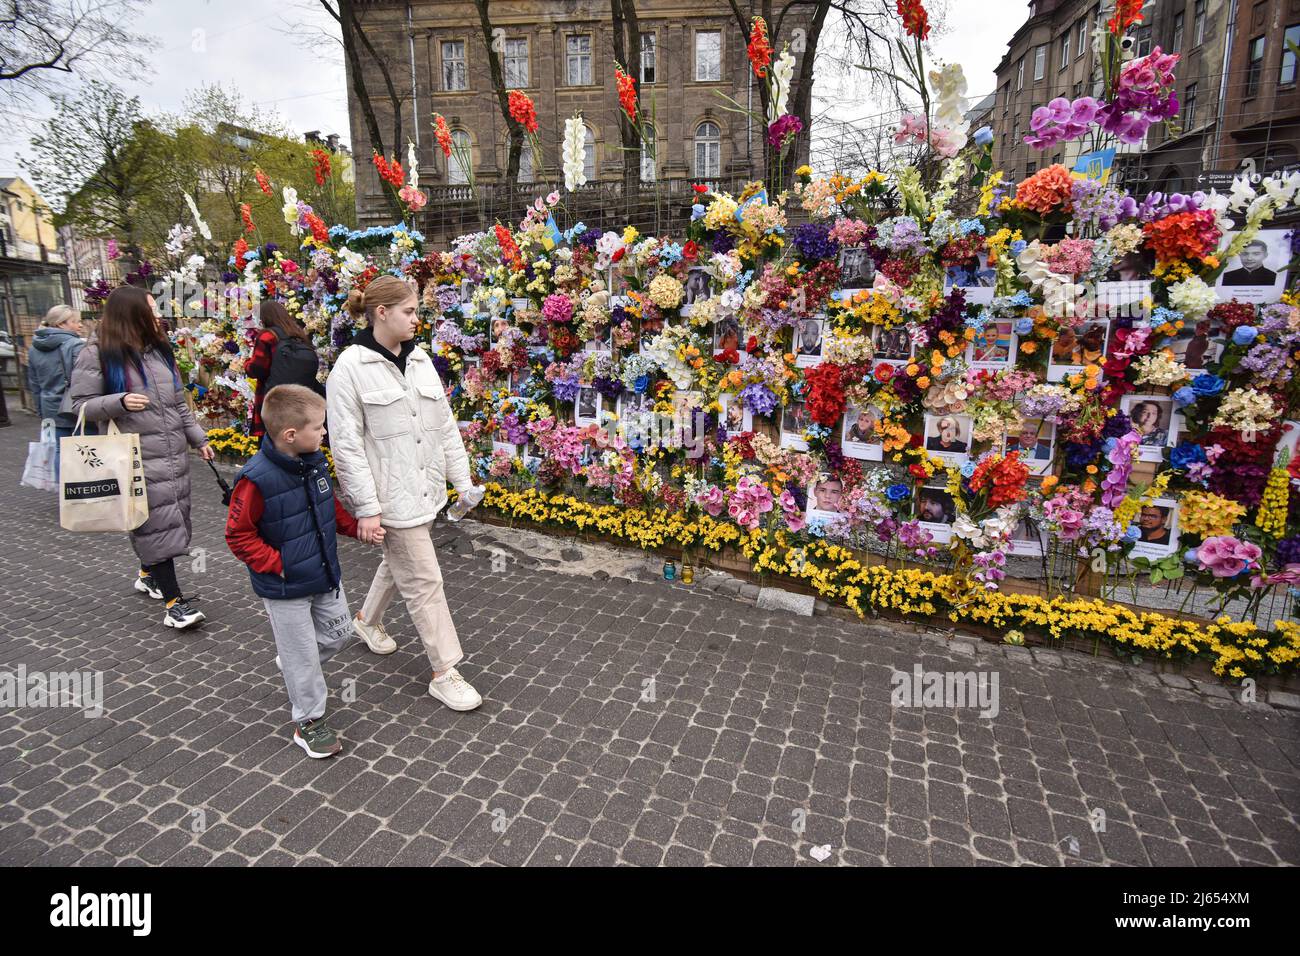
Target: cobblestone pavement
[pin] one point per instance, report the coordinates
(768, 735)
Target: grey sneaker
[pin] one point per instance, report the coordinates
(315, 737)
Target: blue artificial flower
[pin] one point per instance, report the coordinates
(1184, 397)
(1024, 326)
(1206, 384)
(1018, 247)
(984, 136)
(968, 469)
(897, 492)
(1244, 335)
(1185, 455)
(1190, 556)
(1133, 532)
(697, 212)
(641, 384)
(1110, 444)
(670, 254)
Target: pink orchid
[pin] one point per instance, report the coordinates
(1225, 556)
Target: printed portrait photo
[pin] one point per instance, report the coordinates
(1035, 441)
(601, 342)
(1027, 539)
(973, 277)
(794, 419)
(1152, 418)
(857, 269)
(858, 437)
(697, 287)
(1197, 344)
(891, 345)
(948, 437)
(586, 410)
(826, 498)
(649, 329)
(1157, 523)
(1132, 267)
(735, 417)
(808, 342)
(1116, 300)
(726, 334)
(994, 347)
(497, 328)
(1258, 272)
(1072, 349)
(1286, 445)
(936, 512)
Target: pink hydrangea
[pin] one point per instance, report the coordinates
(557, 308)
(712, 501)
(1225, 556)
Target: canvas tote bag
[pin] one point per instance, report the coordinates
(38, 472)
(101, 481)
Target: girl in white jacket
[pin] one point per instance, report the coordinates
(396, 445)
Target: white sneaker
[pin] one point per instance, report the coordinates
(454, 691)
(374, 635)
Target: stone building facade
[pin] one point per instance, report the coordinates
(562, 55)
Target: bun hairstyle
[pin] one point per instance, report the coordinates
(385, 290)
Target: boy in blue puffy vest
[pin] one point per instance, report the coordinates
(282, 521)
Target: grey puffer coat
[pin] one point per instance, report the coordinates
(49, 365)
(167, 431)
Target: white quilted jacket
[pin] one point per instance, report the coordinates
(394, 438)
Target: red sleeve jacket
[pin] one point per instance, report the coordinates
(242, 535)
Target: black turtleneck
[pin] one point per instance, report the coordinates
(366, 337)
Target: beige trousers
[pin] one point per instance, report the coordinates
(410, 567)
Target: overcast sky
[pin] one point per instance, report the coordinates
(251, 45)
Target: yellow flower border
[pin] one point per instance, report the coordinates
(1235, 648)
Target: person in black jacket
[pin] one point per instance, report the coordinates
(282, 355)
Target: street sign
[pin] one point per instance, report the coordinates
(1220, 179)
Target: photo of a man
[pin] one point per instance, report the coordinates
(827, 496)
(649, 329)
(808, 338)
(1029, 441)
(794, 418)
(935, 506)
(1251, 270)
(1153, 525)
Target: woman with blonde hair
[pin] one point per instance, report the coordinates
(396, 445)
(50, 360)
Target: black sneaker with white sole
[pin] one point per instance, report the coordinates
(145, 584)
(180, 615)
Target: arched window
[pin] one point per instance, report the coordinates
(589, 155)
(525, 163)
(461, 147)
(708, 151)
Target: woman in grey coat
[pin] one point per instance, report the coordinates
(127, 373)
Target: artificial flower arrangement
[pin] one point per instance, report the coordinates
(946, 383)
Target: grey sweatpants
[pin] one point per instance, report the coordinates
(308, 632)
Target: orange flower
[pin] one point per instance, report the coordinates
(442, 133)
(1047, 191)
(760, 48)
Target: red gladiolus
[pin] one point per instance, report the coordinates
(626, 92)
(522, 110)
(390, 173)
(240, 250)
(760, 48)
(263, 183)
(700, 188)
(825, 394)
(319, 232)
(442, 133)
(509, 248)
(1127, 13)
(915, 20)
(246, 214)
(321, 167)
